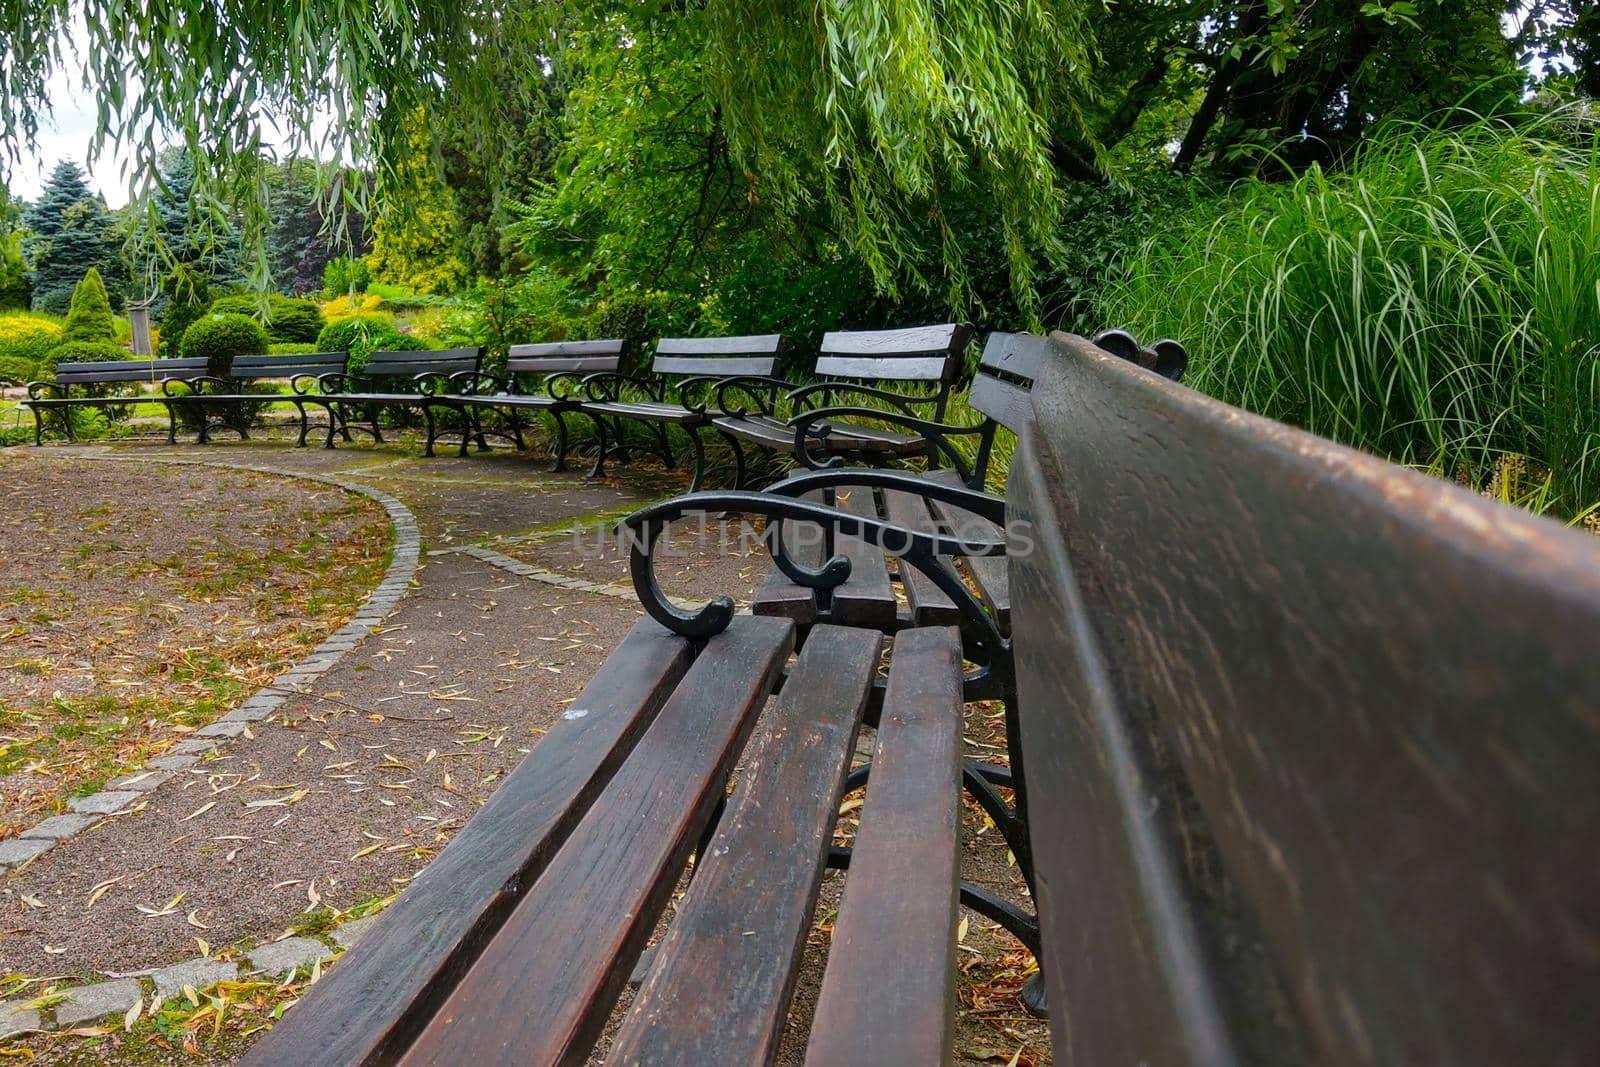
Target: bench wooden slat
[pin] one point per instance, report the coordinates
(376, 1000)
(890, 368)
(888, 992)
(745, 919)
(127, 370)
(930, 605)
(749, 344)
(541, 990)
(255, 366)
(716, 366)
(643, 409)
(549, 357)
(866, 598)
(989, 573)
(777, 595)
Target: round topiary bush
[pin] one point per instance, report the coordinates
(175, 322)
(15, 371)
(28, 337)
(358, 335)
(287, 321)
(289, 348)
(90, 318)
(217, 338)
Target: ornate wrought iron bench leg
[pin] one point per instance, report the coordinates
(334, 422)
(601, 448)
(559, 462)
(427, 418)
(699, 448)
(300, 406)
(38, 425)
(516, 431)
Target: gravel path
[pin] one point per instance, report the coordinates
(345, 792)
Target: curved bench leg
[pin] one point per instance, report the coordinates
(300, 406)
(601, 449)
(38, 426)
(427, 418)
(699, 448)
(334, 421)
(559, 460)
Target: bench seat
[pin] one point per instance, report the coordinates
(777, 434)
(513, 945)
(120, 372)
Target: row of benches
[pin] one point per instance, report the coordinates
(1312, 761)
(721, 385)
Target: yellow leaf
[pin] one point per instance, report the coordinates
(201, 810)
(205, 949)
(961, 931)
(367, 851)
(133, 1015)
(850, 805)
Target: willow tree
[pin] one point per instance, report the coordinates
(874, 108)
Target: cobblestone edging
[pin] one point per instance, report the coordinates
(537, 574)
(87, 1003)
(120, 792)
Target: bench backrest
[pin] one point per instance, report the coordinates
(407, 364)
(553, 357)
(753, 355)
(262, 367)
(1005, 374)
(1312, 742)
(127, 370)
(914, 354)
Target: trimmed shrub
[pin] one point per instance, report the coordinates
(341, 307)
(338, 273)
(217, 338)
(28, 337)
(290, 348)
(90, 318)
(175, 321)
(357, 335)
(81, 352)
(641, 318)
(18, 371)
(287, 320)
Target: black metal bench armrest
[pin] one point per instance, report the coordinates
(813, 425)
(433, 383)
(570, 382)
(985, 505)
(335, 382)
(37, 390)
(608, 385)
(302, 384)
(904, 402)
(474, 382)
(198, 385)
(918, 549)
(763, 390)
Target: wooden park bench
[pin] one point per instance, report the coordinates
(418, 380)
(1313, 772)
(693, 368)
(217, 403)
(907, 373)
(92, 378)
(540, 378)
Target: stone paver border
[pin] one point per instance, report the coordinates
(378, 605)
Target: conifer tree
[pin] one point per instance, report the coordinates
(70, 233)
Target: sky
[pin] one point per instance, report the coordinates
(68, 136)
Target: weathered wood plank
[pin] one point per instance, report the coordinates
(287, 366)
(374, 1003)
(720, 987)
(929, 605)
(910, 340)
(890, 368)
(867, 597)
(1014, 353)
(888, 992)
(716, 366)
(989, 573)
(1375, 691)
(541, 990)
(750, 344)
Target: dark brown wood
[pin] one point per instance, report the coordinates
(373, 1004)
(540, 991)
(929, 605)
(648, 410)
(888, 992)
(761, 429)
(988, 573)
(720, 986)
(866, 598)
(1312, 741)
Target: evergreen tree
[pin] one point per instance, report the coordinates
(13, 267)
(413, 243)
(70, 232)
(189, 236)
(89, 318)
(300, 242)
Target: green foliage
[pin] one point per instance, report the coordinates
(69, 233)
(285, 318)
(27, 336)
(14, 288)
(187, 238)
(539, 305)
(361, 335)
(174, 322)
(413, 245)
(17, 371)
(642, 317)
(82, 352)
(305, 231)
(90, 318)
(341, 273)
(218, 337)
(290, 348)
(1437, 304)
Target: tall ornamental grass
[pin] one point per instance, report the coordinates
(1437, 303)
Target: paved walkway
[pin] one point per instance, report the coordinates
(337, 796)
